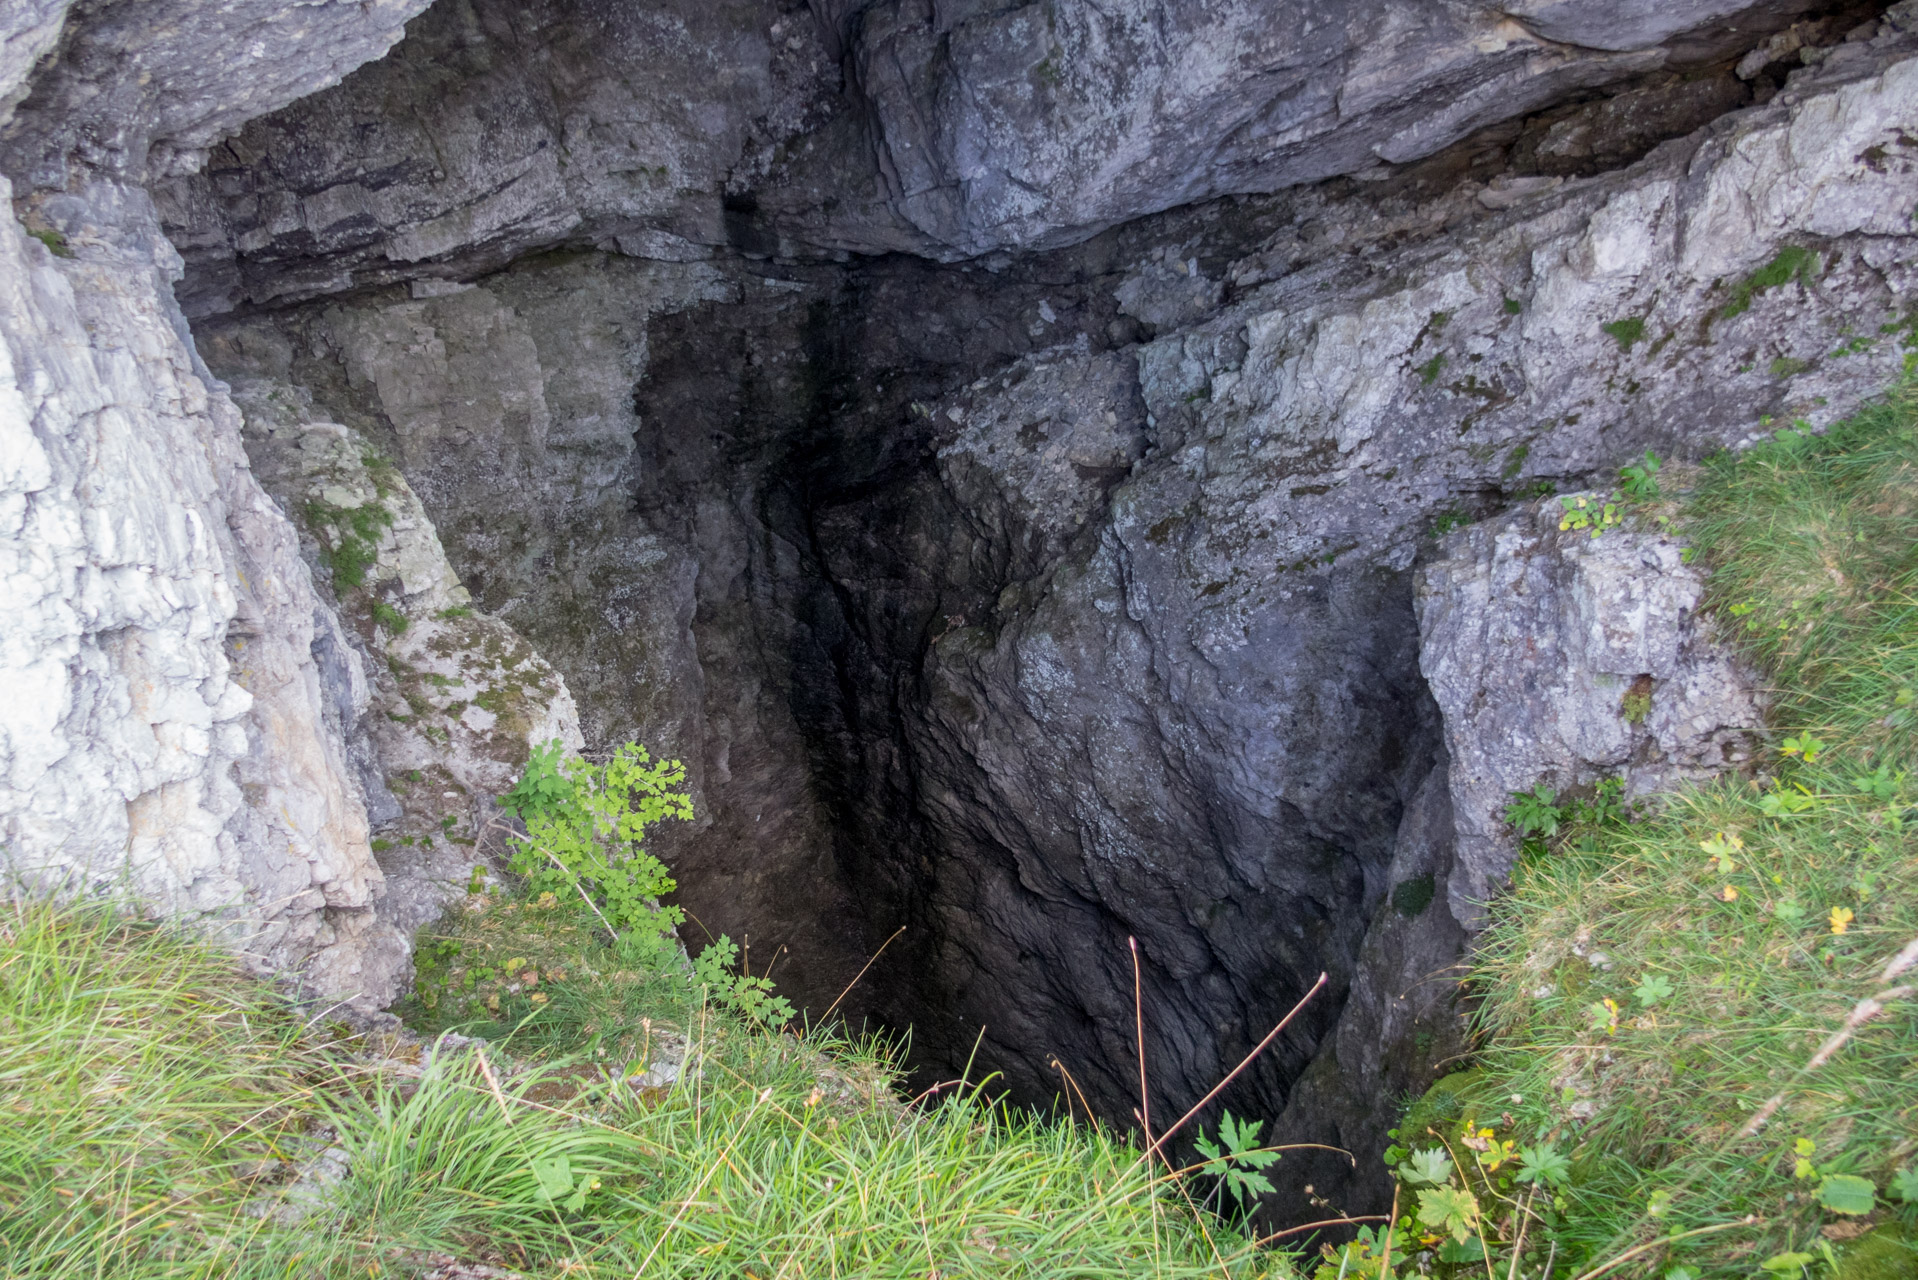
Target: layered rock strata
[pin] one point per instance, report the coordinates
(1028, 600)
(186, 722)
(677, 132)
(1039, 603)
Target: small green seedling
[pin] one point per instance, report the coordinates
(1239, 1157)
(1640, 479)
(1535, 812)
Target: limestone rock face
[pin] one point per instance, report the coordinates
(178, 722)
(1561, 658)
(1035, 124)
(455, 699)
(139, 88)
(165, 720)
(674, 130)
(1037, 603)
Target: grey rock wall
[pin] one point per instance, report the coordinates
(187, 721)
(165, 731)
(1561, 658)
(1030, 601)
(1034, 603)
(673, 130)
(140, 88)
(455, 699)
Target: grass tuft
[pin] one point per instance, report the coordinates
(1700, 1008)
(165, 1116)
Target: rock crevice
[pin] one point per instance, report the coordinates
(1057, 474)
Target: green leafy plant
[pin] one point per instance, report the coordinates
(747, 994)
(1238, 1158)
(1805, 746)
(1593, 515)
(543, 789)
(1652, 988)
(1787, 802)
(1544, 1164)
(1535, 814)
(1429, 1168)
(1639, 480)
(585, 827)
(1847, 1194)
(1453, 1210)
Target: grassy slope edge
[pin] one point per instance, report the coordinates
(160, 1115)
(1696, 1023)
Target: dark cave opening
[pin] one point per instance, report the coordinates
(903, 597)
(932, 521)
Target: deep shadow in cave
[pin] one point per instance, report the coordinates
(897, 603)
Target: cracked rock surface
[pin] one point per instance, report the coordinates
(1560, 658)
(1037, 604)
(1004, 452)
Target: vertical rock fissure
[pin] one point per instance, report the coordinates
(1034, 601)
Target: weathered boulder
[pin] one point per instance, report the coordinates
(1562, 658)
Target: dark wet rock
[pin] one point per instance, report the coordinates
(1003, 452)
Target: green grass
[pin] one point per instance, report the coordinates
(1726, 978)
(155, 1106)
(145, 1089)
(537, 974)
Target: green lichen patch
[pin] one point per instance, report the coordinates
(1626, 332)
(54, 241)
(1792, 263)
